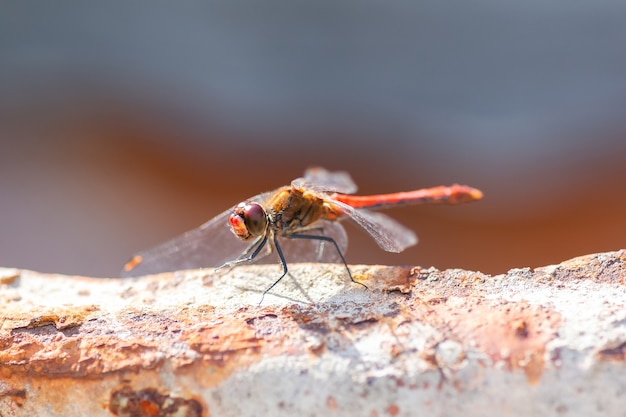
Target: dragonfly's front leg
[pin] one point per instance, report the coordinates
(246, 256)
(283, 263)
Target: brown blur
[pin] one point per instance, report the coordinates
(84, 200)
(91, 171)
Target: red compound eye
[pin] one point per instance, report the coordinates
(255, 219)
(248, 220)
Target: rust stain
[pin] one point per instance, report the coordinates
(613, 354)
(35, 346)
(9, 276)
(219, 342)
(387, 279)
(393, 410)
(316, 322)
(609, 268)
(516, 333)
(38, 348)
(520, 327)
(43, 321)
(229, 343)
(331, 403)
(18, 395)
(149, 402)
(73, 342)
(60, 318)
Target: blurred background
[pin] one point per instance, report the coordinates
(123, 125)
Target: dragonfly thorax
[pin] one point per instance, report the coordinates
(291, 210)
(248, 220)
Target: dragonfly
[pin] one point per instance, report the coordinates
(299, 222)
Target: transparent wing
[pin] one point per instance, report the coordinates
(213, 244)
(321, 180)
(390, 235)
(305, 250)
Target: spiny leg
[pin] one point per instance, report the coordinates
(244, 257)
(331, 240)
(320, 247)
(283, 262)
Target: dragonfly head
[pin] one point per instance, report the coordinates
(248, 220)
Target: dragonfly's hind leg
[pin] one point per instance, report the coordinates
(320, 246)
(330, 240)
(284, 262)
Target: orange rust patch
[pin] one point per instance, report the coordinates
(613, 354)
(18, 395)
(57, 356)
(86, 351)
(221, 341)
(422, 273)
(520, 327)
(331, 402)
(385, 278)
(609, 267)
(9, 277)
(43, 321)
(60, 318)
(516, 333)
(150, 403)
(230, 343)
(393, 410)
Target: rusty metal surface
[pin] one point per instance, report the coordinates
(549, 341)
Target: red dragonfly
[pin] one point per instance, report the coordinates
(307, 213)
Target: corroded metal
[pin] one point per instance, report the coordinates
(418, 342)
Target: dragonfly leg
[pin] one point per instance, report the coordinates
(284, 264)
(320, 247)
(331, 240)
(255, 248)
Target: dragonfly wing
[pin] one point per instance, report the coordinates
(390, 235)
(210, 245)
(321, 180)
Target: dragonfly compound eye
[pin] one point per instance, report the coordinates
(248, 220)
